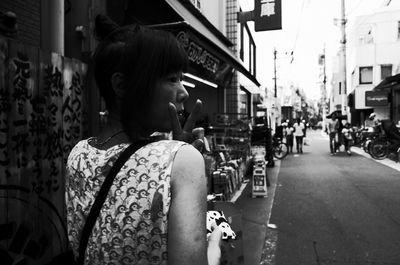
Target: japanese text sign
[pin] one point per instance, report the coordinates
(267, 15)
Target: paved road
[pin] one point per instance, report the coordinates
(336, 209)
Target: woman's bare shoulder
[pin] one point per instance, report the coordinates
(188, 163)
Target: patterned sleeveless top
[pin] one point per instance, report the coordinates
(132, 225)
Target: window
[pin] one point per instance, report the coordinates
(386, 71)
(366, 75)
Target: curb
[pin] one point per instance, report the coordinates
(256, 215)
(387, 162)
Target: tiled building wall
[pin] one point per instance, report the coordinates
(232, 93)
(28, 19)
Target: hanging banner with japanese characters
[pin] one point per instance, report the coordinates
(267, 15)
(41, 118)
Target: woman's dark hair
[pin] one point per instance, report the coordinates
(108, 55)
(143, 55)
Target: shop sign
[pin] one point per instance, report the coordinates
(267, 15)
(198, 54)
(376, 98)
(259, 187)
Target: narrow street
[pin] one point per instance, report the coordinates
(335, 209)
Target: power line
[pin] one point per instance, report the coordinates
(298, 29)
(354, 8)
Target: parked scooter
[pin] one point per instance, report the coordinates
(387, 142)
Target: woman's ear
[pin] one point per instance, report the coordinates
(117, 82)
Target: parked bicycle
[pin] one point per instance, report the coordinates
(387, 142)
(367, 139)
(279, 148)
(358, 135)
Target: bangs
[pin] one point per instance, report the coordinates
(154, 54)
(172, 57)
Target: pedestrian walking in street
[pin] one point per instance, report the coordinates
(347, 132)
(332, 130)
(299, 134)
(289, 136)
(155, 209)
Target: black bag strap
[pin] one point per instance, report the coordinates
(101, 196)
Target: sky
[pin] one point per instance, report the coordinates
(307, 28)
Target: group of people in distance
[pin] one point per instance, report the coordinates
(294, 131)
(338, 134)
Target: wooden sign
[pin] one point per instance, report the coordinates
(41, 118)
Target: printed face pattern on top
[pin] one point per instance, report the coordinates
(132, 226)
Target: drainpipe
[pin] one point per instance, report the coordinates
(52, 26)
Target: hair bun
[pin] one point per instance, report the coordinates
(104, 26)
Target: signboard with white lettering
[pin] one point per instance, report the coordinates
(203, 60)
(376, 98)
(259, 181)
(267, 15)
(207, 59)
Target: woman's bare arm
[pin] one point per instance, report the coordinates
(187, 216)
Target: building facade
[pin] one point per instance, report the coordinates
(373, 55)
(242, 95)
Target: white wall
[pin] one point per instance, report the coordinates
(381, 46)
(215, 12)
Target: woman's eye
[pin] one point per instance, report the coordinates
(173, 79)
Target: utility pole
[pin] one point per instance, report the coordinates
(324, 72)
(323, 61)
(275, 92)
(268, 134)
(343, 46)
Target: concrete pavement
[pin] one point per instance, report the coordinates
(256, 213)
(257, 239)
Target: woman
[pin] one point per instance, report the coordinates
(289, 136)
(155, 212)
(299, 134)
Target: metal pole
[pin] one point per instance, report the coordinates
(275, 92)
(324, 91)
(268, 134)
(343, 43)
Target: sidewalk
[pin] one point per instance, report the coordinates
(256, 213)
(387, 162)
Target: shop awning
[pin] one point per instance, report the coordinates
(250, 89)
(208, 56)
(388, 83)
